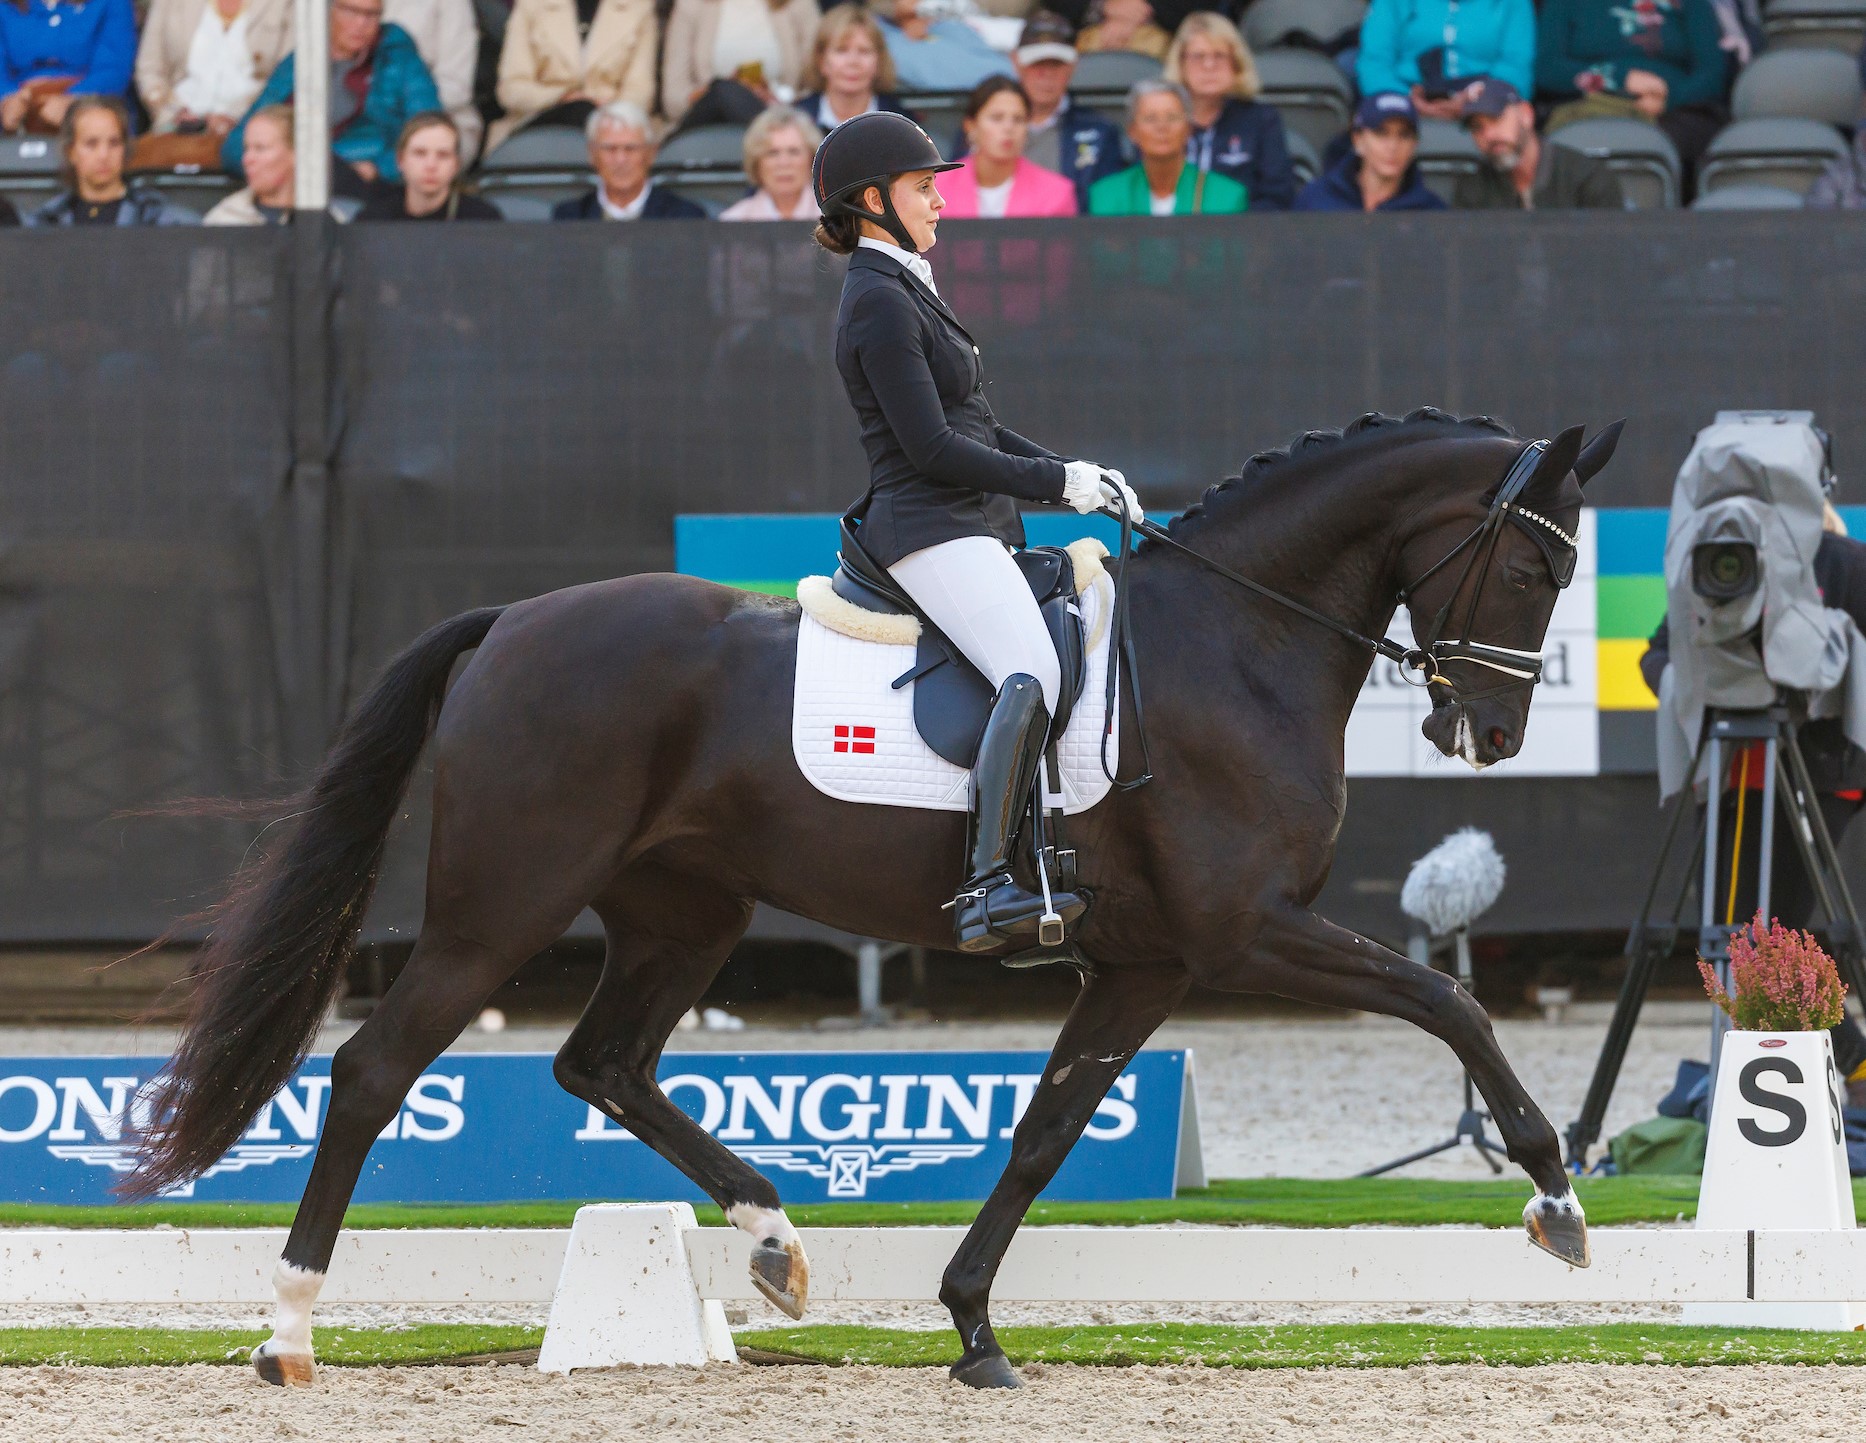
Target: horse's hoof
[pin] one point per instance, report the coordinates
(781, 1273)
(987, 1370)
(283, 1370)
(1558, 1226)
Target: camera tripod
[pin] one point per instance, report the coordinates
(1471, 1121)
(1785, 785)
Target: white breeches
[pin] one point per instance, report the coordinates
(972, 590)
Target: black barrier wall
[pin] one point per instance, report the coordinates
(515, 408)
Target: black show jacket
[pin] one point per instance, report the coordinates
(940, 466)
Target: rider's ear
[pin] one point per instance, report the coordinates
(1597, 453)
(1554, 467)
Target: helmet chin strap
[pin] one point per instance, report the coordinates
(889, 219)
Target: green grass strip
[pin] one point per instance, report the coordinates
(1353, 1345)
(336, 1347)
(1278, 1202)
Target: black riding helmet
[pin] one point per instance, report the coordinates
(871, 150)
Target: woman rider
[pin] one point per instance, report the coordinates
(945, 479)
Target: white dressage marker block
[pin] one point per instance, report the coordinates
(1776, 1160)
(627, 1295)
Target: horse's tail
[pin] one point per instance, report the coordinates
(280, 941)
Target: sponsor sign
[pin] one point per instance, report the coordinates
(491, 1127)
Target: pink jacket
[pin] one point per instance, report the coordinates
(1034, 192)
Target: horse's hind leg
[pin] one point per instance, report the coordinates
(668, 938)
(443, 987)
(1298, 955)
(1115, 1012)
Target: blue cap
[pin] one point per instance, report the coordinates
(1489, 96)
(1376, 110)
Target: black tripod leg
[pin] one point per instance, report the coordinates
(1643, 957)
(1412, 1157)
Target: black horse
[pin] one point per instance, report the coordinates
(626, 746)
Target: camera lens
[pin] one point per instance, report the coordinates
(1724, 570)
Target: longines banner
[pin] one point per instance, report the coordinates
(496, 1127)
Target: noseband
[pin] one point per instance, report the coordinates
(1418, 665)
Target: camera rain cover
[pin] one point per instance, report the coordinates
(1752, 484)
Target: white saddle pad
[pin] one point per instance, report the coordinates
(853, 734)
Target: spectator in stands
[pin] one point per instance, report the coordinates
(1166, 182)
(1526, 172)
(1123, 25)
(377, 82)
(779, 146)
(1077, 144)
(945, 54)
(1380, 172)
(622, 155)
(1234, 134)
(850, 71)
(561, 61)
(271, 171)
(1434, 49)
(53, 52)
(725, 61)
(1842, 186)
(201, 65)
(998, 180)
(94, 144)
(1657, 60)
(428, 156)
(446, 33)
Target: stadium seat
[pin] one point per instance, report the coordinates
(712, 193)
(546, 187)
(1310, 90)
(1787, 154)
(1636, 151)
(28, 170)
(1809, 84)
(1446, 152)
(1816, 25)
(519, 205)
(541, 147)
(1305, 24)
(705, 147)
(939, 112)
(1103, 73)
(195, 190)
(1302, 158)
(1748, 197)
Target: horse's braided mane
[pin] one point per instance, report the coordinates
(1219, 499)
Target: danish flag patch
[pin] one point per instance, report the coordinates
(855, 739)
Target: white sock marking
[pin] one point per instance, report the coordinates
(296, 1289)
(762, 1223)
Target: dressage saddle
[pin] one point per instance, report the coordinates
(951, 696)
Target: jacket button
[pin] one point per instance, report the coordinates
(975, 350)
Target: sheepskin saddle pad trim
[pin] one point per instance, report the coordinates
(818, 599)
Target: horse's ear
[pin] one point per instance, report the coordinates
(1597, 453)
(1555, 464)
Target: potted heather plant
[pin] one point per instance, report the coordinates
(1780, 981)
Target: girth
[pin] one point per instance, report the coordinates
(951, 696)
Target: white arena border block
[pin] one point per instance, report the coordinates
(626, 1294)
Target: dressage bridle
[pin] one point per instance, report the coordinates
(1419, 665)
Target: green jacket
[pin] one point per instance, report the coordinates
(1200, 192)
(1565, 180)
(1585, 46)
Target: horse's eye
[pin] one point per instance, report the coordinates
(1518, 579)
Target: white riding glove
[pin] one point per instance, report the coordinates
(1088, 487)
(1116, 493)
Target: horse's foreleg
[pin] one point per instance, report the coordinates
(1116, 1011)
(1296, 954)
(443, 987)
(655, 971)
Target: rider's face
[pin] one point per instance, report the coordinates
(917, 202)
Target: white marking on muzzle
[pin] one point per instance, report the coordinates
(1467, 743)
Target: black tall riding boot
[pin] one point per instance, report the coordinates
(992, 908)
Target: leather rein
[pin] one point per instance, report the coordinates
(1418, 665)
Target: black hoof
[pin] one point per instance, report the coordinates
(987, 1370)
